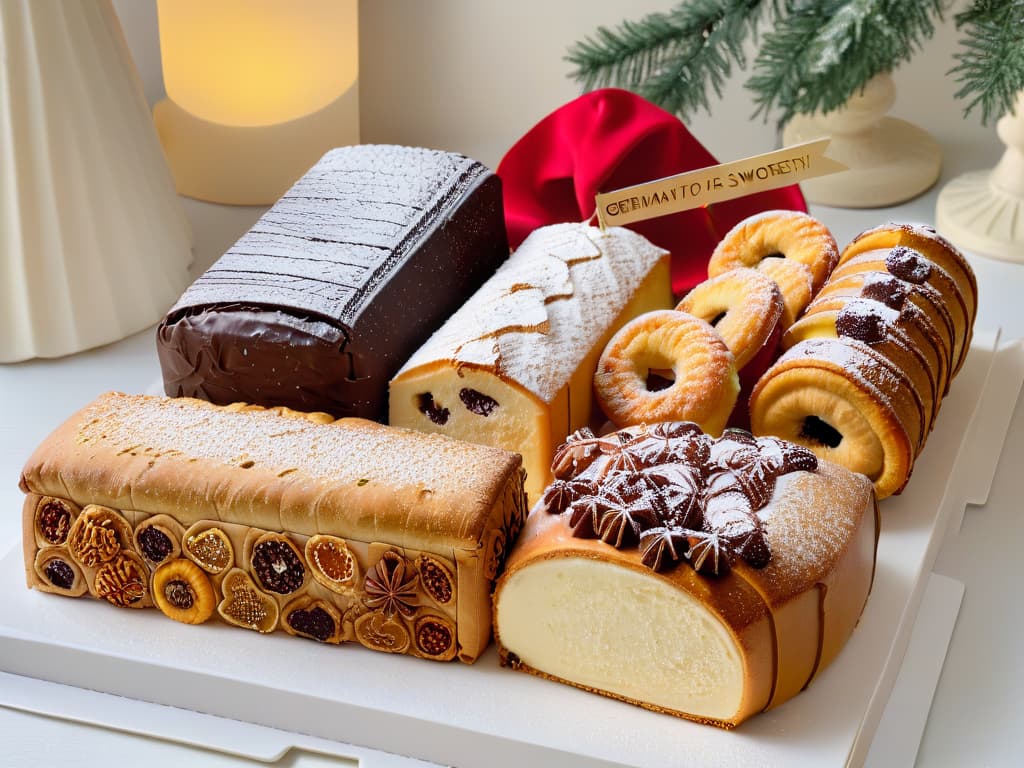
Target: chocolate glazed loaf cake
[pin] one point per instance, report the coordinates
(317, 306)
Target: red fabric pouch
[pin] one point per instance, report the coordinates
(609, 139)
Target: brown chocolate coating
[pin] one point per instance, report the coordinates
(335, 287)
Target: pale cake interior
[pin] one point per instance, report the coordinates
(607, 627)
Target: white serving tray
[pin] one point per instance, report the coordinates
(482, 714)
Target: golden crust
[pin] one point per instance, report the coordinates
(705, 386)
(742, 304)
(848, 387)
(794, 281)
(789, 618)
(791, 234)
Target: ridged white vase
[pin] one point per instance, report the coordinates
(983, 211)
(94, 244)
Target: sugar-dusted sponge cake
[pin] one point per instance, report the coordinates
(709, 579)
(272, 519)
(318, 305)
(514, 366)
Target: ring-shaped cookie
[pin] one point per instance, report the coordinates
(743, 305)
(791, 234)
(794, 280)
(705, 386)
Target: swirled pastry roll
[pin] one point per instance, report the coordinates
(336, 531)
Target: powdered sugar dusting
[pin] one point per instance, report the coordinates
(544, 310)
(347, 452)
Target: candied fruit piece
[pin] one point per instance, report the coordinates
(430, 409)
(54, 518)
(60, 574)
(155, 544)
(277, 564)
(244, 605)
(332, 563)
(437, 579)
(435, 638)
(315, 619)
(211, 549)
(477, 402)
(380, 633)
(182, 590)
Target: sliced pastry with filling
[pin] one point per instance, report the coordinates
(706, 578)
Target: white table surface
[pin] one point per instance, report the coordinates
(975, 718)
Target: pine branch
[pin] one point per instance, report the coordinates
(670, 59)
(821, 53)
(990, 68)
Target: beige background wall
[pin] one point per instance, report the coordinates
(474, 75)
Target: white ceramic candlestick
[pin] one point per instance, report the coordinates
(94, 244)
(889, 160)
(983, 211)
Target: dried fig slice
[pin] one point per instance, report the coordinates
(158, 539)
(332, 563)
(182, 590)
(435, 638)
(244, 605)
(98, 535)
(379, 633)
(312, 618)
(209, 548)
(437, 579)
(123, 581)
(53, 520)
(59, 572)
(277, 564)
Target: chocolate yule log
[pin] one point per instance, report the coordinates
(318, 305)
(337, 531)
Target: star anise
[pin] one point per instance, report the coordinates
(662, 546)
(674, 441)
(576, 454)
(621, 524)
(708, 553)
(679, 497)
(792, 457)
(562, 493)
(391, 586)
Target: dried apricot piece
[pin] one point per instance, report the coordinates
(332, 563)
(182, 590)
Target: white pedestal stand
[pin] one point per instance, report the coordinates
(94, 244)
(889, 160)
(983, 211)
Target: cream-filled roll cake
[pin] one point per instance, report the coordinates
(513, 368)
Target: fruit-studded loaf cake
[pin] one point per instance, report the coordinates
(514, 366)
(710, 579)
(317, 306)
(333, 530)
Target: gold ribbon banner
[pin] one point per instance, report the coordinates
(716, 183)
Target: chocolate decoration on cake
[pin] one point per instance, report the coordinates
(675, 492)
(319, 304)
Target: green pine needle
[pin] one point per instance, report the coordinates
(990, 67)
(819, 53)
(671, 59)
